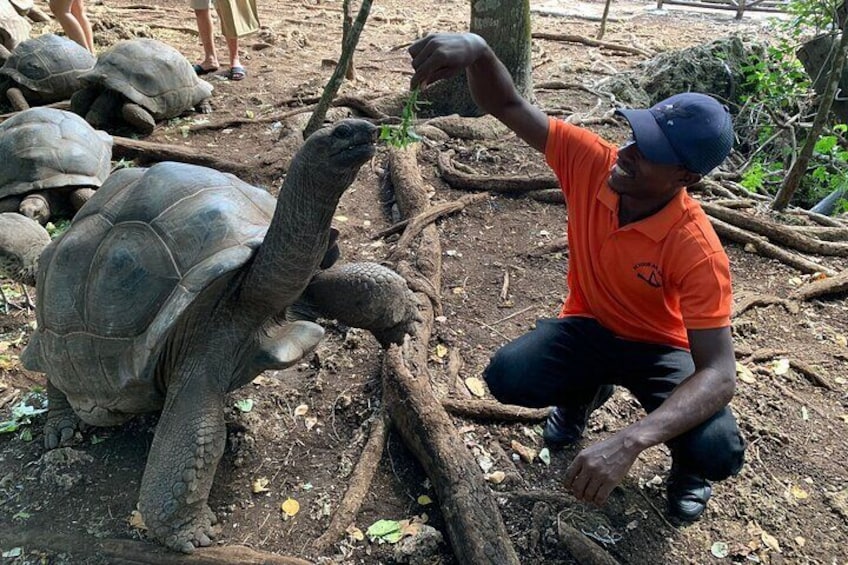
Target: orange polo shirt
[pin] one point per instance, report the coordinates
(650, 280)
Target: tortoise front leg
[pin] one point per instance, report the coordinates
(188, 444)
(17, 99)
(62, 421)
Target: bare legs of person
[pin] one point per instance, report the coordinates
(204, 29)
(237, 71)
(74, 21)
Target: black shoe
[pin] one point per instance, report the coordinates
(565, 425)
(687, 495)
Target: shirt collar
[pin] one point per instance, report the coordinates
(655, 226)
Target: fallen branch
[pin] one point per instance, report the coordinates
(61, 105)
(126, 148)
(775, 232)
(834, 284)
(235, 122)
(430, 215)
(555, 246)
(591, 43)
(767, 249)
(826, 233)
(360, 482)
(548, 196)
(493, 410)
(507, 183)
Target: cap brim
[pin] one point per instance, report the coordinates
(650, 139)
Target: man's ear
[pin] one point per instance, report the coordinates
(688, 178)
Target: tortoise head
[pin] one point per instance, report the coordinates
(334, 154)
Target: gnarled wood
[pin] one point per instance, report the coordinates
(835, 284)
(493, 410)
(506, 183)
(126, 148)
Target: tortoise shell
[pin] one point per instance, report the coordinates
(50, 65)
(134, 258)
(13, 27)
(155, 76)
(46, 148)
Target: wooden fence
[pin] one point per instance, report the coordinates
(738, 6)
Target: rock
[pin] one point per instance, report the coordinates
(59, 467)
(420, 548)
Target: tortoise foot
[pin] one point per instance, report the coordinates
(60, 428)
(186, 532)
(139, 118)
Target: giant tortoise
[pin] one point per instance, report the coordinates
(169, 290)
(52, 162)
(14, 28)
(43, 70)
(140, 81)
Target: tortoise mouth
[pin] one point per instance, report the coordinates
(357, 151)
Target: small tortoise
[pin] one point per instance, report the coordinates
(52, 162)
(170, 289)
(44, 70)
(141, 81)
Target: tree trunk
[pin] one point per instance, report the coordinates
(505, 25)
(799, 167)
(816, 56)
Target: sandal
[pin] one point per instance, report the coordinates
(236, 73)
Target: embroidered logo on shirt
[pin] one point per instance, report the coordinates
(650, 273)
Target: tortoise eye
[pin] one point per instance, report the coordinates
(343, 131)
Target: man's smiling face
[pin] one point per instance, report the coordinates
(635, 176)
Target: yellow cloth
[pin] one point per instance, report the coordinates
(238, 17)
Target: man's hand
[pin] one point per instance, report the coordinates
(443, 55)
(598, 469)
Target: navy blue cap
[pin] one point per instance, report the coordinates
(690, 129)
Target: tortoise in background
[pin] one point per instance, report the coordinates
(140, 82)
(13, 28)
(170, 289)
(43, 70)
(52, 163)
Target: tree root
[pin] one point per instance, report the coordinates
(746, 301)
(131, 552)
(493, 410)
(767, 249)
(459, 127)
(360, 482)
(591, 43)
(775, 232)
(813, 376)
(508, 183)
(584, 550)
(475, 528)
(834, 284)
(124, 147)
(419, 222)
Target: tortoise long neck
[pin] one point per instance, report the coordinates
(294, 244)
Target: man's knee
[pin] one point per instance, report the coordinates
(502, 377)
(715, 450)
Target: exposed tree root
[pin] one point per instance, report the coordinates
(557, 245)
(415, 225)
(493, 410)
(767, 249)
(475, 528)
(581, 547)
(776, 232)
(459, 127)
(360, 482)
(591, 43)
(513, 183)
(746, 301)
(813, 376)
(548, 195)
(236, 122)
(131, 552)
(834, 284)
(61, 105)
(825, 233)
(124, 147)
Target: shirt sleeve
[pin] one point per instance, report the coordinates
(575, 154)
(706, 297)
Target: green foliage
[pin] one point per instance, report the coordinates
(403, 135)
(776, 79)
(58, 228)
(33, 404)
(820, 15)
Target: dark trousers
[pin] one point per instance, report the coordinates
(564, 362)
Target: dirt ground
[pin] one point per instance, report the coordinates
(307, 425)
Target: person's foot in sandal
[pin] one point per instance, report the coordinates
(236, 72)
(200, 70)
